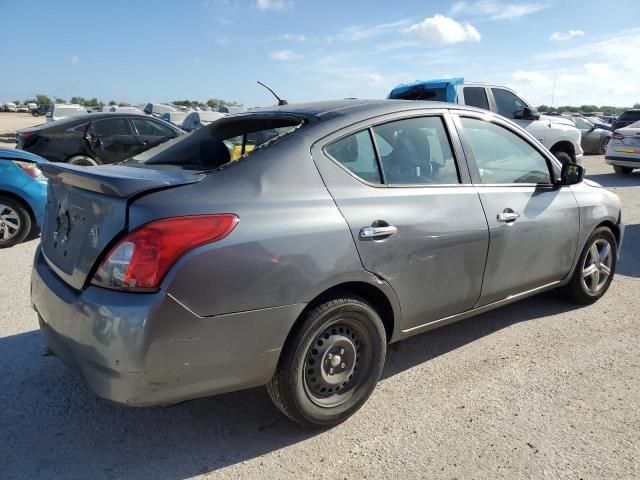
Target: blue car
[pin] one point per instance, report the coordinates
(23, 194)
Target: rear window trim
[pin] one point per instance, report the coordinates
(385, 184)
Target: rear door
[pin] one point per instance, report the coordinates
(533, 223)
(415, 219)
(150, 133)
(111, 140)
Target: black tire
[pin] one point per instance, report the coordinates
(83, 161)
(304, 379)
(13, 212)
(622, 170)
(603, 145)
(578, 289)
(564, 157)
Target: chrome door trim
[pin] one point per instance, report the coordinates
(476, 311)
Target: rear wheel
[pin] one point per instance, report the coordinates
(15, 222)
(83, 160)
(331, 364)
(595, 269)
(603, 145)
(622, 170)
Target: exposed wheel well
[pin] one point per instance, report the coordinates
(20, 200)
(564, 146)
(370, 293)
(613, 227)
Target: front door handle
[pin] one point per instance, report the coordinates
(508, 216)
(377, 232)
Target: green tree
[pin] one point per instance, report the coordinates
(17, 102)
(43, 99)
(93, 102)
(78, 100)
(124, 104)
(636, 105)
(59, 100)
(112, 103)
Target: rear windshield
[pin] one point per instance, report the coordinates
(630, 116)
(221, 142)
(420, 92)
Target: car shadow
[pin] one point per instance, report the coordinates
(7, 138)
(53, 425)
(629, 261)
(612, 180)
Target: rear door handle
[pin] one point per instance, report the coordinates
(508, 216)
(376, 232)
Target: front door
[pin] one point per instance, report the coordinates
(533, 223)
(415, 223)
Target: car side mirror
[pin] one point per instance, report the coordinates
(527, 113)
(571, 174)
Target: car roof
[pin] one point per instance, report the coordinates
(20, 155)
(357, 108)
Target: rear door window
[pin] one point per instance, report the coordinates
(356, 154)
(110, 126)
(416, 151)
(476, 97)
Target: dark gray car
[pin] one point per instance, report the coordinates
(342, 227)
(594, 139)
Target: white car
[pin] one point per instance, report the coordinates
(157, 109)
(64, 110)
(561, 138)
(200, 119)
(623, 150)
(176, 118)
(22, 109)
(10, 107)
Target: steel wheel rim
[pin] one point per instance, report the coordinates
(336, 363)
(596, 268)
(10, 223)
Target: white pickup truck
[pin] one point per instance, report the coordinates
(558, 135)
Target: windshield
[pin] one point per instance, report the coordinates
(223, 141)
(421, 92)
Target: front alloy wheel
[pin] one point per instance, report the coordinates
(595, 269)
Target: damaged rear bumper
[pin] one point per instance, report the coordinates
(147, 349)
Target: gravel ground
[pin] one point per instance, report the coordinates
(10, 122)
(538, 389)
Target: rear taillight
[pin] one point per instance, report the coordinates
(31, 169)
(140, 261)
(617, 136)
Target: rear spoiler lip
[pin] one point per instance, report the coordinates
(116, 181)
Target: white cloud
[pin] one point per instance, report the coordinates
(354, 33)
(444, 30)
(271, 4)
(562, 36)
(75, 59)
(293, 37)
(494, 9)
(588, 74)
(284, 55)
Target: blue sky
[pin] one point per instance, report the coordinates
(140, 51)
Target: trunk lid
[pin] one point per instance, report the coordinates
(87, 210)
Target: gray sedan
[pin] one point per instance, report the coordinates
(342, 226)
(594, 139)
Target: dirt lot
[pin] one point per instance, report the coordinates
(538, 389)
(10, 122)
